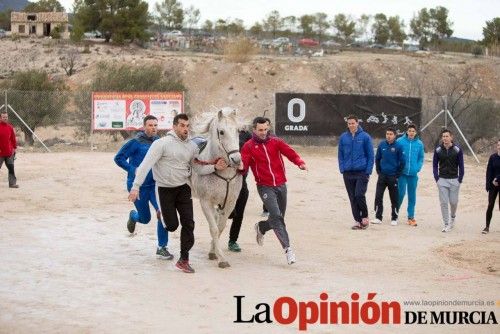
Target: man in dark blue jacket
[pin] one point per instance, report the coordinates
(389, 163)
(129, 157)
(355, 156)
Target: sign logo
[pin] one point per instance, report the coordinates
(302, 110)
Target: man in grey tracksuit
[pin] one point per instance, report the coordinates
(448, 169)
(170, 158)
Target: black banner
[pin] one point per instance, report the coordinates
(325, 114)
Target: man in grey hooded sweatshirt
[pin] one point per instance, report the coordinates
(170, 158)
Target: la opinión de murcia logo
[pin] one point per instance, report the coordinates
(286, 311)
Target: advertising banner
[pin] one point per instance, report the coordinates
(325, 114)
(126, 110)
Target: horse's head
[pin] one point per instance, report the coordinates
(224, 131)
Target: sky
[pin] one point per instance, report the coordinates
(468, 16)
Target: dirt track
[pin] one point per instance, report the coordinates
(69, 266)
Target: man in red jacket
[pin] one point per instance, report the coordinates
(8, 147)
(263, 154)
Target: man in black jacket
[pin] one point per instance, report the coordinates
(448, 169)
(492, 185)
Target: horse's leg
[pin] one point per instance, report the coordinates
(211, 216)
(221, 222)
(211, 219)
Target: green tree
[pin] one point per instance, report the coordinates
(306, 25)
(44, 6)
(321, 24)
(170, 14)
(221, 27)
(420, 27)
(396, 30)
(208, 26)
(39, 100)
(273, 22)
(118, 20)
(441, 26)
(236, 27)
(5, 19)
(380, 29)
(256, 29)
(290, 24)
(362, 26)
(345, 28)
(430, 26)
(491, 32)
(192, 17)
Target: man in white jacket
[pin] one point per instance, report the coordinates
(170, 158)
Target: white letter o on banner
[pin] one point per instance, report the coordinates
(302, 110)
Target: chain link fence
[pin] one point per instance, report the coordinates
(62, 120)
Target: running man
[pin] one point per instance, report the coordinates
(129, 157)
(448, 169)
(355, 154)
(241, 202)
(263, 154)
(170, 158)
(413, 150)
(8, 146)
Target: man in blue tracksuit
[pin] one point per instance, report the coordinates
(389, 162)
(129, 157)
(355, 156)
(413, 150)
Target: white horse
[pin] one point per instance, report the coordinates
(218, 191)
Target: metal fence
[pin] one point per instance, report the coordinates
(62, 121)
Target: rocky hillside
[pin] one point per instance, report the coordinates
(213, 82)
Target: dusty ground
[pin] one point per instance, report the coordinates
(68, 265)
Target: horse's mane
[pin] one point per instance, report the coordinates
(202, 122)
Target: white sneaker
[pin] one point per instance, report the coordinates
(259, 236)
(376, 221)
(290, 255)
(448, 228)
(394, 222)
(445, 228)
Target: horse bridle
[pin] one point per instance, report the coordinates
(228, 180)
(224, 148)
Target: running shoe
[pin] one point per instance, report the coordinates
(365, 223)
(258, 235)
(184, 266)
(233, 246)
(290, 256)
(131, 222)
(163, 253)
(412, 222)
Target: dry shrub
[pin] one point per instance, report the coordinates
(239, 50)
